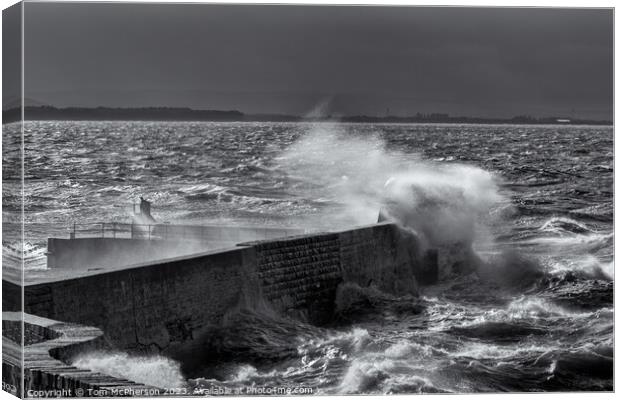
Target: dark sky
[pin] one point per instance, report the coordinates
(352, 60)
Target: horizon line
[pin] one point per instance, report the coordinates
(326, 116)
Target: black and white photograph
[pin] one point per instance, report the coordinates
(218, 199)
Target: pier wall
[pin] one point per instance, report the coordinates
(382, 255)
(11, 295)
(149, 306)
(156, 243)
(44, 360)
(106, 252)
(159, 305)
(299, 276)
(221, 234)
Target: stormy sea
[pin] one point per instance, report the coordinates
(534, 202)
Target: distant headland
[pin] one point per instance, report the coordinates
(41, 113)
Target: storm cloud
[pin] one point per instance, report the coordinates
(495, 62)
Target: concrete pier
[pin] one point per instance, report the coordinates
(165, 305)
(47, 346)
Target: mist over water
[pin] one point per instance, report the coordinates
(535, 202)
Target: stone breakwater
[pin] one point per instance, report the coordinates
(47, 346)
(164, 306)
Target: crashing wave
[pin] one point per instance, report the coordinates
(154, 370)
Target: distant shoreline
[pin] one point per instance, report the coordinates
(42, 113)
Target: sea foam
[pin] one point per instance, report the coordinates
(156, 370)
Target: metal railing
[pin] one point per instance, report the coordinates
(112, 230)
(202, 233)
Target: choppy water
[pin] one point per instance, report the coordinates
(539, 317)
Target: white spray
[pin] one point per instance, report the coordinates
(155, 370)
(442, 203)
